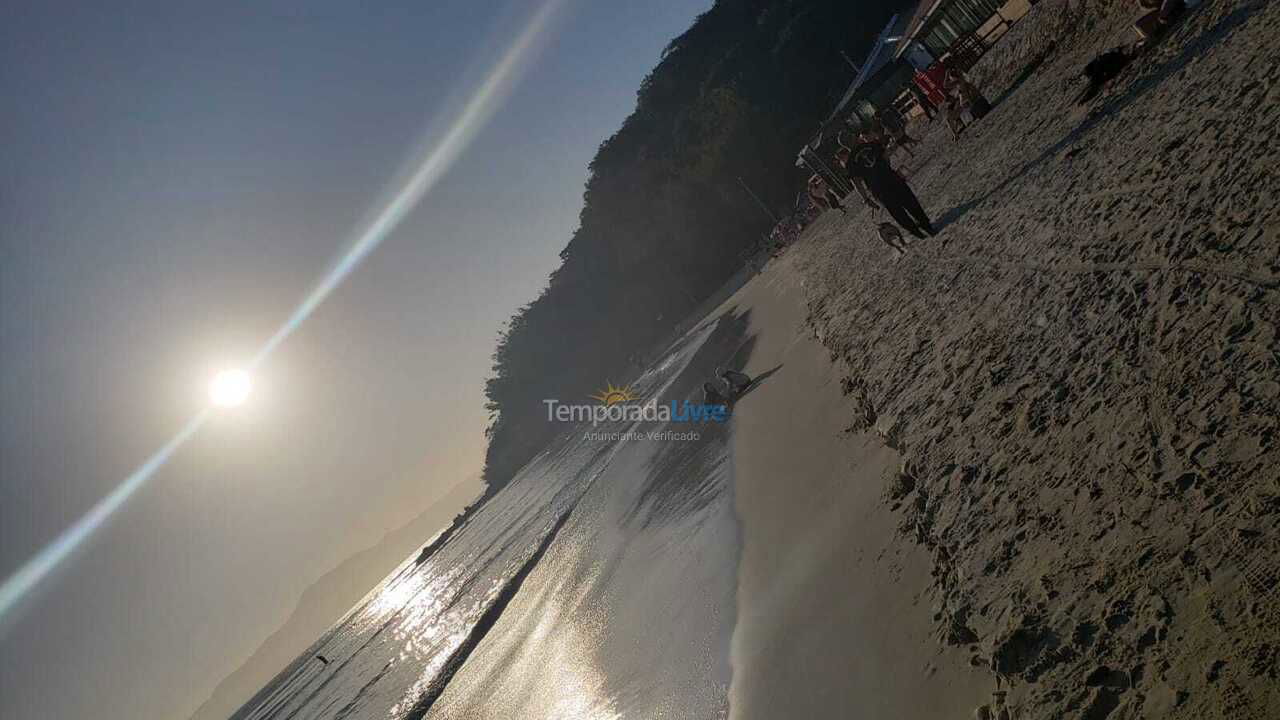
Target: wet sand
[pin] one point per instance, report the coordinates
(831, 618)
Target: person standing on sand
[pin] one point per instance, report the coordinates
(955, 118)
(822, 195)
(959, 86)
(874, 177)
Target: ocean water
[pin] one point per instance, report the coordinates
(599, 583)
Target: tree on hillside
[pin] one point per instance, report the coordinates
(664, 218)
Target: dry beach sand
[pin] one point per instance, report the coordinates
(1082, 372)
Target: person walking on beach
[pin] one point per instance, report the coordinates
(874, 177)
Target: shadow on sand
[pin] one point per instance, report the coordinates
(756, 382)
(1145, 83)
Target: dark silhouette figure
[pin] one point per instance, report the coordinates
(756, 382)
(736, 381)
(711, 395)
(874, 177)
(1102, 70)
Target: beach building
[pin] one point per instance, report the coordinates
(957, 32)
(951, 34)
(912, 49)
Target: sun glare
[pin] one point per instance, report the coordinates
(229, 388)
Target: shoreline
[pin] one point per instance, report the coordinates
(832, 620)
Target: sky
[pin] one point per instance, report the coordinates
(174, 179)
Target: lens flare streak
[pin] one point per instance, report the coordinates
(38, 568)
(474, 113)
(477, 110)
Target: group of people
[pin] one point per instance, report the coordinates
(885, 129)
(888, 127)
(864, 161)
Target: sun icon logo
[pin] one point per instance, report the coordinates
(611, 395)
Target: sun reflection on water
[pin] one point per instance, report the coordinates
(580, 692)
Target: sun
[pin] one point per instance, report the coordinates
(613, 395)
(230, 388)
